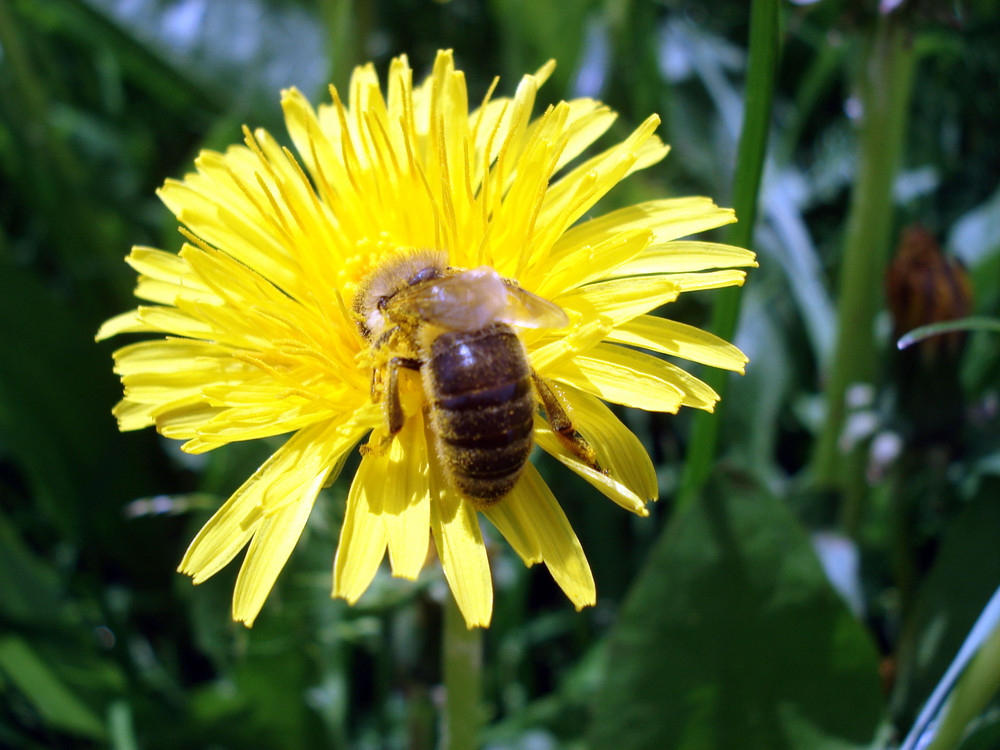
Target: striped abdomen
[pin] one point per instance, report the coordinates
(479, 385)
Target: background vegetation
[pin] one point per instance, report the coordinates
(804, 583)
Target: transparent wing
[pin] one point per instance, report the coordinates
(472, 299)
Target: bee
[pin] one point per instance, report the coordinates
(458, 329)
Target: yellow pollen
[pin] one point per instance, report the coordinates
(359, 265)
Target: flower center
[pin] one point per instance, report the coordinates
(369, 253)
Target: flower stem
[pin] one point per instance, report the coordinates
(884, 87)
(765, 48)
(348, 26)
(462, 657)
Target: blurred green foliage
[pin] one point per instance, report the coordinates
(715, 627)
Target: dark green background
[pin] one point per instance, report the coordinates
(715, 627)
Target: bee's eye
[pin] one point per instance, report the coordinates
(424, 274)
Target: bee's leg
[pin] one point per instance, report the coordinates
(376, 391)
(394, 409)
(394, 416)
(561, 424)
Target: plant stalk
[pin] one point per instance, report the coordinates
(884, 87)
(462, 656)
(765, 50)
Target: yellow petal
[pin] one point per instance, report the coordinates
(232, 526)
(550, 351)
(231, 211)
(592, 262)
(619, 452)
(161, 388)
(407, 500)
(363, 535)
(461, 551)
(586, 121)
(621, 378)
(175, 321)
(618, 449)
(299, 468)
(126, 322)
(610, 486)
(680, 340)
(221, 539)
(560, 549)
(618, 361)
(133, 416)
(692, 282)
(516, 527)
(266, 420)
(273, 542)
(505, 122)
(313, 148)
(232, 281)
(166, 276)
(620, 300)
(176, 355)
(685, 256)
(667, 219)
(181, 419)
(576, 192)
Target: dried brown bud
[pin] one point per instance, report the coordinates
(925, 286)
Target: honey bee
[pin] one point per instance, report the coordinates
(458, 329)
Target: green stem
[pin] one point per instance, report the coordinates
(973, 692)
(765, 49)
(462, 654)
(348, 25)
(884, 87)
(630, 21)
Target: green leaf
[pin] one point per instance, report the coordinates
(56, 393)
(30, 590)
(975, 688)
(985, 735)
(42, 687)
(121, 726)
(963, 577)
(732, 637)
(972, 323)
(271, 44)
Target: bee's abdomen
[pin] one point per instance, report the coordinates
(483, 409)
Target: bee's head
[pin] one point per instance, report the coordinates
(394, 274)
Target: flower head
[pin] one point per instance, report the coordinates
(279, 316)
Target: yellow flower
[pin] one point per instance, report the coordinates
(262, 334)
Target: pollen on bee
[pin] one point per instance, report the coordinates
(411, 393)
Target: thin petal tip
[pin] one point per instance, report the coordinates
(406, 575)
(244, 618)
(476, 622)
(338, 593)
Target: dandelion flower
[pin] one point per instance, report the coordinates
(259, 333)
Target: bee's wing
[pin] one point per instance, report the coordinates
(472, 299)
(528, 310)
